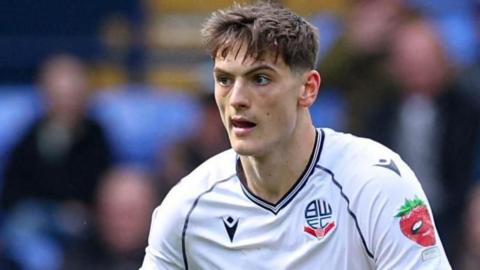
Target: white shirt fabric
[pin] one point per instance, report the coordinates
(340, 214)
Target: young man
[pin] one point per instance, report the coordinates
(287, 195)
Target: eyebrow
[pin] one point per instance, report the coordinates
(250, 71)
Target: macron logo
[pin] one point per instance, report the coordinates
(231, 226)
(389, 165)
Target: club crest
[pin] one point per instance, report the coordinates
(319, 219)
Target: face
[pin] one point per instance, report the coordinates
(258, 102)
(66, 88)
(418, 60)
(124, 208)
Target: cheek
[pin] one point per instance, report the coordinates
(280, 117)
(220, 108)
(282, 110)
(220, 100)
(220, 92)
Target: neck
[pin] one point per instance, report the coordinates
(271, 176)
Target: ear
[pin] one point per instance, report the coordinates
(310, 88)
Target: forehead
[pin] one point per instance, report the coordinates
(238, 59)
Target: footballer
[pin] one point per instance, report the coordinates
(287, 195)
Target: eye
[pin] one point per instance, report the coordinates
(261, 79)
(416, 226)
(223, 80)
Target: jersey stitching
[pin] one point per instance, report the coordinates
(187, 218)
(352, 214)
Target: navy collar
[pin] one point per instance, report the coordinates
(299, 184)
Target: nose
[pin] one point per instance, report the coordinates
(239, 95)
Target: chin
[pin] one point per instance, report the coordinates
(243, 152)
(246, 149)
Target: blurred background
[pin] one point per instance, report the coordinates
(105, 105)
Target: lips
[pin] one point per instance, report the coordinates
(241, 126)
(241, 123)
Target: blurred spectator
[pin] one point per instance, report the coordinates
(209, 138)
(52, 173)
(457, 25)
(431, 123)
(142, 121)
(469, 258)
(36, 232)
(124, 202)
(354, 65)
(63, 153)
(470, 81)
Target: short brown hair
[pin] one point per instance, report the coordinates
(264, 28)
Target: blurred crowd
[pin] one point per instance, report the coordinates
(91, 146)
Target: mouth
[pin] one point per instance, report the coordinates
(242, 126)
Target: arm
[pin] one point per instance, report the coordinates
(164, 250)
(397, 221)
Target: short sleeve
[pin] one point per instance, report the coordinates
(396, 221)
(164, 250)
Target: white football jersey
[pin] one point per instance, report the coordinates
(357, 205)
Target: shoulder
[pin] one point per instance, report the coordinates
(355, 151)
(92, 126)
(216, 169)
(205, 177)
(361, 164)
(170, 218)
(379, 188)
(25, 143)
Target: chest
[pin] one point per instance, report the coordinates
(313, 230)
